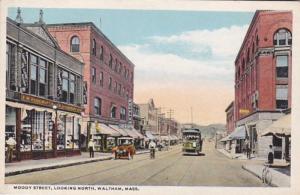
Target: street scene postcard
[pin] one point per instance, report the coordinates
(100, 98)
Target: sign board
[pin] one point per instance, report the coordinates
(244, 111)
(130, 104)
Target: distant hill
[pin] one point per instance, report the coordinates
(208, 131)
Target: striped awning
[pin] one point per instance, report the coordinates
(120, 130)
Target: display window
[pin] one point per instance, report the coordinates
(26, 131)
(69, 132)
(61, 128)
(10, 123)
(76, 133)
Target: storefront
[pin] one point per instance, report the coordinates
(41, 131)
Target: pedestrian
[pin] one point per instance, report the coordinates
(152, 147)
(248, 150)
(11, 143)
(91, 146)
(270, 155)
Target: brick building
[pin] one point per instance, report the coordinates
(263, 77)
(108, 74)
(43, 93)
(230, 120)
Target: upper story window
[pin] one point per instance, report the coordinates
(94, 47)
(123, 113)
(101, 79)
(120, 68)
(43, 78)
(101, 53)
(110, 83)
(75, 44)
(281, 96)
(282, 66)
(116, 65)
(110, 61)
(38, 76)
(66, 86)
(282, 37)
(94, 75)
(97, 106)
(113, 111)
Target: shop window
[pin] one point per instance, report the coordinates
(281, 96)
(76, 133)
(26, 130)
(94, 75)
(61, 128)
(123, 113)
(101, 53)
(38, 127)
(282, 37)
(48, 131)
(282, 66)
(113, 112)
(101, 79)
(33, 74)
(97, 106)
(94, 47)
(10, 123)
(69, 132)
(75, 44)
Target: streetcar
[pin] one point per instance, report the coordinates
(192, 141)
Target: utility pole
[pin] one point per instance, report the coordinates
(158, 120)
(170, 113)
(192, 117)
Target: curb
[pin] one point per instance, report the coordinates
(258, 176)
(54, 166)
(60, 166)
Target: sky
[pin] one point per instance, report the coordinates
(184, 60)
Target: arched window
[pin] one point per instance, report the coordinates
(94, 47)
(113, 111)
(75, 44)
(282, 37)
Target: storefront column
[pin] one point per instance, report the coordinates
(18, 133)
(88, 135)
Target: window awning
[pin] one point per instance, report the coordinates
(140, 136)
(131, 133)
(238, 133)
(149, 135)
(118, 129)
(281, 127)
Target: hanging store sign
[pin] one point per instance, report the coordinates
(49, 103)
(130, 111)
(244, 111)
(59, 83)
(85, 92)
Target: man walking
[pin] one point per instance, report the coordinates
(271, 155)
(91, 146)
(152, 147)
(248, 151)
(11, 143)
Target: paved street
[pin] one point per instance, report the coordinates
(169, 168)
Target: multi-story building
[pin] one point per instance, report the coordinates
(230, 118)
(263, 77)
(149, 117)
(43, 93)
(108, 75)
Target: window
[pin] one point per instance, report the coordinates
(75, 44)
(131, 76)
(8, 56)
(101, 79)
(123, 113)
(94, 47)
(113, 112)
(110, 61)
(97, 106)
(101, 53)
(282, 37)
(65, 86)
(43, 78)
(116, 65)
(115, 87)
(72, 88)
(94, 75)
(282, 66)
(281, 96)
(33, 74)
(120, 68)
(110, 83)
(119, 89)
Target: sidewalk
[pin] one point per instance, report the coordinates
(240, 156)
(278, 179)
(28, 166)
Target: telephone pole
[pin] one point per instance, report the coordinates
(170, 113)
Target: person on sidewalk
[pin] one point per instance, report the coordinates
(91, 146)
(11, 143)
(271, 155)
(152, 147)
(248, 150)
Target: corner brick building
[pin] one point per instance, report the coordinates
(108, 73)
(263, 77)
(230, 120)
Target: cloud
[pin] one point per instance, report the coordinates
(190, 68)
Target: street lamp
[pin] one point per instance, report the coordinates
(54, 134)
